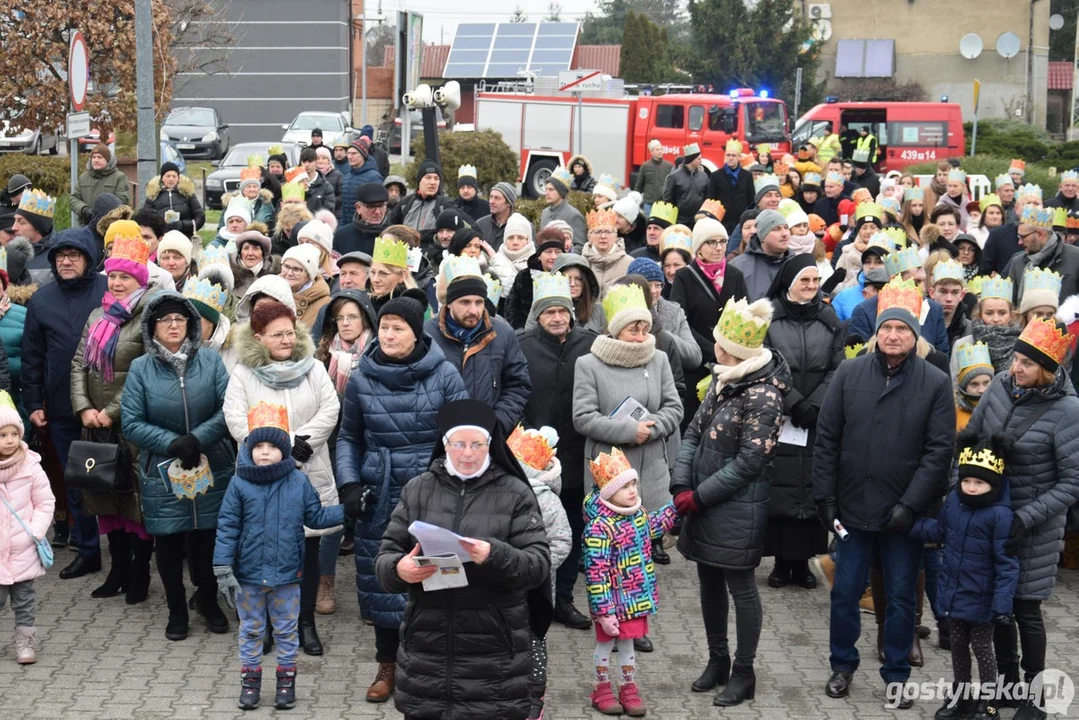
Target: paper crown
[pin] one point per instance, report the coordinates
(390, 251)
(957, 175)
(467, 171)
(1016, 164)
(781, 169)
(870, 210)
(38, 203)
(990, 199)
(251, 173)
(903, 294)
(494, 289)
(1002, 180)
(901, 261)
(1069, 175)
(1035, 278)
(764, 148)
(1038, 217)
(983, 458)
(948, 270)
(562, 175)
(739, 325)
(201, 290)
(254, 161)
(853, 351)
(130, 247)
(1028, 190)
(811, 178)
(711, 207)
(295, 174)
(1001, 288)
(787, 206)
(534, 448)
(622, 297)
(766, 181)
(676, 241)
(897, 235)
(971, 355)
(292, 191)
(691, 149)
(883, 241)
(733, 146)
(748, 161)
(835, 178)
(609, 466)
(275, 149)
(601, 219)
(1042, 335)
(213, 255)
(1060, 217)
(890, 204)
(190, 483)
(548, 285)
(455, 266)
(911, 194)
(860, 155)
(1072, 222)
(664, 211)
(3, 259)
(266, 415)
(607, 180)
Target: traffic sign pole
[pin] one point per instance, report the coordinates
(78, 76)
(576, 82)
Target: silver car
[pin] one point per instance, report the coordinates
(334, 126)
(29, 141)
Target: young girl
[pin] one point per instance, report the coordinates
(621, 578)
(975, 372)
(993, 322)
(978, 578)
(24, 488)
(258, 558)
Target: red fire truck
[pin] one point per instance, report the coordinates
(542, 126)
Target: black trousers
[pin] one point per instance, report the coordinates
(386, 642)
(1029, 629)
(198, 545)
(311, 575)
(566, 575)
(748, 612)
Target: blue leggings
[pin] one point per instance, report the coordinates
(283, 604)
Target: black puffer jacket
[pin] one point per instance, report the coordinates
(465, 652)
(181, 199)
(725, 459)
(810, 338)
(686, 191)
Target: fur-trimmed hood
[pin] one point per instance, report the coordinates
(123, 212)
(21, 294)
(185, 187)
(579, 159)
(194, 327)
(252, 354)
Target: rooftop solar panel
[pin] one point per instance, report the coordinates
(503, 50)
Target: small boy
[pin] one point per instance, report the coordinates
(978, 578)
(258, 558)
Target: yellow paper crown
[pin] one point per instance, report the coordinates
(675, 238)
(254, 161)
(548, 285)
(990, 199)
(201, 290)
(293, 191)
(983, 458)
(852, 351)
(903, 294)
(870, 210)
(623, 297)
(711, 207)
(455, 266)
(251, 173)
(1042, 335)
(897, 235)
(494, 289)
(38, 203)
(531, 447)
(130, 247)
(764, 148)
(390, 251)
(740, 325)
(734, 146)
(266, 415)
(664, 211)
(601, 219)
(609, 466)
(275, 150)
(213, 255)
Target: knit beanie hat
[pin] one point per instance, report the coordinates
(518, 224)
(177, 242)
(130, 252)
(982, 459)
(410, 307)
(466, 177)
(102, 150)
(166, 306)
(742, 327)
(647, 268)
(768, 221)
(629, 207)
(306, 255)
(17, 183)
(319, 233)
(465, 285)
(266, 313)
(427, 167)
(449, 219)
(706, 229)
(169, 167)
(10, 416)
(275, 436)
(550, 290)
(507, 192)
(363, 144)
(563, 228)
(239, 207)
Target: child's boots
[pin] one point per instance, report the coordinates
(631, 701)
(285, 699)
(250, 687)
(24, 645)
(603, 700)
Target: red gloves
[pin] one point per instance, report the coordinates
(686, 502)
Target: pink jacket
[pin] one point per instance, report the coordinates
(26, 488)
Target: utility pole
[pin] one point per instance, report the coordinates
(146, 147)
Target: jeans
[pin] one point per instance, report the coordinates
(566, 575)
(22, 601)
(901, 560)
(84, 532)
(327, 553)
(1031, 632)
(283, 605)
(748, 612)
(931, 561)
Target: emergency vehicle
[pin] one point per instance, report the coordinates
(542, 124)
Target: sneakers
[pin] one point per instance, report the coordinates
(326, 604)
(250, 687)
(632, 704)
(24, 645)
(604, 701)
(285, 697)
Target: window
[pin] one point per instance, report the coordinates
(696, 118)
(765, 122)
(865, 58)
(724, 120)
(923, 134)
(808, 130)
(671, 116)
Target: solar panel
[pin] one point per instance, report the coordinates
(503, 50)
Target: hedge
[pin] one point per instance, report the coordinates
(493, 158)
(49, 174)
(1011, 138)
(532, 209)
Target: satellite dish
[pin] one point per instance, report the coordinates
(970, 46)
(1008, 45)
(1056, 21)
(821, 31)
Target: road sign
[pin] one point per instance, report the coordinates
(78, 125)
(78, 71)
(580, 80)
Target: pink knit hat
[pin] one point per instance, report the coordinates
(10, 416)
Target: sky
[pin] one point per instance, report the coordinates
(440, 18)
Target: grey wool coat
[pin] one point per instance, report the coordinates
(1042, 470)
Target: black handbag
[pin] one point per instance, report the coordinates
(99, 466)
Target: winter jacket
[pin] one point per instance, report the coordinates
(810, 338)
(736, 198)
(55, 318)
(1059, 200)
(492, 365)
(12, 327)
(959, 206)
(908, 424)
(863, 322)
(547, 486)
(312, 407)
(518, 305)
(262, 208)
(39, 264)
(726, 459)
(978, 578)
(1063, 260)
(335, 179)
(160, 406)
(263, 522)
(25, 487)
(356, 236)
(869, 180)
(182, 199)
(351, 179)
(849, 298)
(1042, 469)
(620, 577)
(585, 182)
(673, 319)
(551, 368)
(421, 218)
(244, 278)
(687, 191)
(599, 387)
(758, 268)
(311, 299)
(650, 178)
(609, 267)
(320, 195)
(491, 231)
(567, 213)
(1000, 247)
(465, 652)
(93, 183)
(473, 209)
(697, 296)
(388, 432)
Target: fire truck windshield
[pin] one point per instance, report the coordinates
(765, 122)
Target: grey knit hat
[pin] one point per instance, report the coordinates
(507, 192)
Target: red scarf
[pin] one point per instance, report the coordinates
(714, 272)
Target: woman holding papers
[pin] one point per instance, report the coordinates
(465, 651)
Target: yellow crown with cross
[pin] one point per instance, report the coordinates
(38, 203)
(983, 458)
(623, 297)
(265, 414)
(710, 207)
(201, 290)
(664, 211)
(455, 266)
(547, 285)
(390, 251)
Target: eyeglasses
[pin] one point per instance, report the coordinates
(601, 232)
(381, 274)
(714, 242)
(69, 256)
(373, 206)
(291, 270)
(474, 447)
(282, 336)
(350, 319)
(172, 320)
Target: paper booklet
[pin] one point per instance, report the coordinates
(441, 548)
(631, 409)
(451, 571)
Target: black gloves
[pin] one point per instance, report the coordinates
(901, 520)
(301, 451)
(827, 512)
(804, 414)
(86, 215)
(187, 449)
(1019, 531)
(359, 500)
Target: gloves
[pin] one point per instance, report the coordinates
(188, 449)
(359, 500)
(1003, 620)
(301, 451)
(827, 512)
(1015, 537)
(86, 215)
(804, 414)
(686, 503)
(609, 625)
(227, 585)
(901, 520)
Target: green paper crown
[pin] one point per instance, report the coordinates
(390, 251)
(664, 211)
(622, 297)
(897, 235)
(292, 191)
(455, 266)
(740, 326)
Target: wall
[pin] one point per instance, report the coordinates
(927, 34)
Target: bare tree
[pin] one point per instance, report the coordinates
(204, 35)
(554, 12)
(379, 37)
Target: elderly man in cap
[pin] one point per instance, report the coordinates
(361, 170)
(367, 222)
(484, 350)
(98, 180)
(767, 251)
(492, 227)
(687, 187)
(1005, 188)
(554, 194)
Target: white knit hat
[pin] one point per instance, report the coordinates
(317, 232)
(706, 229)
(518, 224)
(797, 217)
(629, 207)
(239, 206)
(305, 254)
(177, 242)
(608, 192)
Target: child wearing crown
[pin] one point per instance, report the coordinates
(620, 575)
(979, 577)
(993, 321)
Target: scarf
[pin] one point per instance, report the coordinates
(631, 510)
(970, 272)
(714, 272)
(802, 243)
(1037, 259)
(732, 173)
(965, 401)
(940, 188)
(462, 334)
(176, 360)
(9, 466)
(458, 474)
(727, 374)
(619, 353)
(104, 335)
(521, 255)
(917, 221)
(344, 357)
(286, 375)
(1001, 341)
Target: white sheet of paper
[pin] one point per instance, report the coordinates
(451, 571)
(791, 434)
(435, 540)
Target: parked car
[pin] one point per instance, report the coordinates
(391, 129)
(198, 132)
(169, 153)
(29, 141)
(332, 124)
(94, 139)
(227, 176)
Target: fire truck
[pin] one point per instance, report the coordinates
(544, 126)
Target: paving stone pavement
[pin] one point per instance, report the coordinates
(105, 659)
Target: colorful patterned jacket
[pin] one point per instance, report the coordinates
(621, 579)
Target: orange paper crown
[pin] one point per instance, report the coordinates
(1042, 335)
(250, 173)
(606, 468)
(904, 294)
(1017, 164)
(266, 415)
(601, 219)
(780, 170)
(530, 447)
(292, 173)
(748, 160)
(128, 247)
(714, 208)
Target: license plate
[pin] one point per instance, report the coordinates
(185, 146)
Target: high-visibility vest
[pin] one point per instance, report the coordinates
(868, 143)
(828, 149)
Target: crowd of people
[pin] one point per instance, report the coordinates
(868, 380)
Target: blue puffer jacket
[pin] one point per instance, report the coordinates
(351, 180)
(159, 406)
(260, 526)
(11, 331)
(388, 432)
(979, 579)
